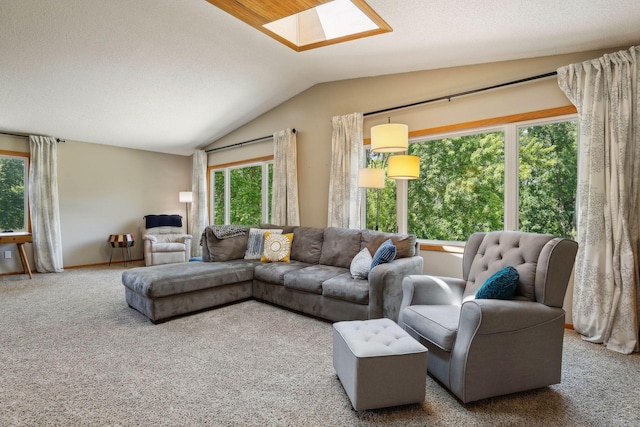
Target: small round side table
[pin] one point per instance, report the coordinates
(124, 241)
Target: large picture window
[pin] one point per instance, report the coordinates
(241, 194)
(13, 192)
(516, 176)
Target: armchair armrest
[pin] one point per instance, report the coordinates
(385, 286)
(149, 237)
(184, 238)
(493, 316)
(430, 290)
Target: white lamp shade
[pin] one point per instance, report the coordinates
(403, 167)
(389, 138)
(186, 197)
(371, 178)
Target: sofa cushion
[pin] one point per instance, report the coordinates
(310, 279)
(307, 245)
(255, 242)
(277, 247)
(223, 249)
(404, 243)
(435, 323)
(273, 272)
(339, 247)
(346, 288)
(168, 247)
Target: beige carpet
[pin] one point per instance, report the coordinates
(72, 353)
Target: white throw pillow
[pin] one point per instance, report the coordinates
(361, 264)
(255, 243)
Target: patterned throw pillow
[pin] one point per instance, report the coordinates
(361, 264)
(255, 244)
(385, 253)
(501, 285)
(277, 247)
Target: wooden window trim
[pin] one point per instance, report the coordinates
(228, 165)
(452, 249)
(14, 153)
(494, 121)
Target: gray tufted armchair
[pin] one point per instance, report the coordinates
(480, 348)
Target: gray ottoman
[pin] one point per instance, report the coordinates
(378, 363)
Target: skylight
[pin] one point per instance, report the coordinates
(329, 21)
(308, 24)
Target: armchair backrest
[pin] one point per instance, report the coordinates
(162, 224)
(544, 263)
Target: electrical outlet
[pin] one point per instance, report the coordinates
(7, 254)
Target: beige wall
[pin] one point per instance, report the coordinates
(310, 114)
(106, 190)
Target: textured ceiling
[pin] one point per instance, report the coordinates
(171, 76)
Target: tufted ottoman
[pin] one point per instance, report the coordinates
(378, 363)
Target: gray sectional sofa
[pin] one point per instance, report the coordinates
(316, 281)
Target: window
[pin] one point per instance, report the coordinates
(241, 194)
(548, 178)
(516, 176)
(460, 189)
(13, 192)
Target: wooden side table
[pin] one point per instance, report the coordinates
(19, 239)
(124, 241)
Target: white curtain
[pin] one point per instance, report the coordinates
(43, 204)
(199, 217)
(347, 156)
(284, 204)
(605, 301)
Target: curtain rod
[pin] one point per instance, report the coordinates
(468, 92)
(26, 136)
(240, 144)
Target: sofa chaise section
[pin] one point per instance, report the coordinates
(169, 290)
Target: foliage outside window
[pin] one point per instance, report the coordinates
(388, 213)
(548, 178)
(13, 194)
(461, 188)
(242, 194)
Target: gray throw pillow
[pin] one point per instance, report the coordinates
(361, 264)
(255, 244)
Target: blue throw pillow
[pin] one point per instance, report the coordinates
(501, 285)
(385, 253)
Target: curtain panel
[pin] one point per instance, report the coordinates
(605, 300)
(44, 208)
(285, 208)
(199, 218)
(347, 156)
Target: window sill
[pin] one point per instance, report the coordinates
(442, 246)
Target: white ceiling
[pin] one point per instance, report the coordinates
(174, 75)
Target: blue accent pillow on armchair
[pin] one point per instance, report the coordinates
(501, 285)
(385, 253)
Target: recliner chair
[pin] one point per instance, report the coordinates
(164, 240)
(479, 348)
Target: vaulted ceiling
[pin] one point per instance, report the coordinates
(171, 76)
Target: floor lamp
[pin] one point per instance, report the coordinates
(186, 197)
